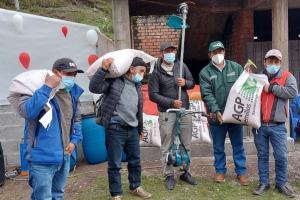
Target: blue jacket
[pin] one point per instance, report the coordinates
(45, 146)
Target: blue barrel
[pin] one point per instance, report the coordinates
(93, 143)
(73, 159)
(294, 116)
(24, 163)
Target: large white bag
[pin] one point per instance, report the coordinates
(27, 82)
(244, 101)
(122, 61)
(151, 132)
(200, 132)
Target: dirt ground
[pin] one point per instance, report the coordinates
(84, 174)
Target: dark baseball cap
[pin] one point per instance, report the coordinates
(66, 65)
(137, 61)
(166, 45)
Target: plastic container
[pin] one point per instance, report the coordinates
(93, 143)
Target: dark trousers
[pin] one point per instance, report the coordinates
(119, 138)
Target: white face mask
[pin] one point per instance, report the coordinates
(218, 58)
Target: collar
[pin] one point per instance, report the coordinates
(216, 67)
(277, 75)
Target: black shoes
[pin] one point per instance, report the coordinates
(170, 182)
(186, 177)
(285, 190)
(261, 189)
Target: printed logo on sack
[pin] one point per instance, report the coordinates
(249, 89)
(242, 109)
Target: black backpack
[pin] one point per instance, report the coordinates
(98, 105)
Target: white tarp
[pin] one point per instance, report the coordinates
(44, 41)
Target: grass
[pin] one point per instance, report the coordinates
(93, 12)
(206, 190)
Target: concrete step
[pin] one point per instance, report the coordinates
(10, 119)
(206, 150)
(15, 132)
(6, 108)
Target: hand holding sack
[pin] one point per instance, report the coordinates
(243, 104)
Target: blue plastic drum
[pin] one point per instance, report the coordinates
(93, 142)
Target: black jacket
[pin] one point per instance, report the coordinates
(112, 88)
(163, 88)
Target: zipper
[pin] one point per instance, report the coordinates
(266, 114)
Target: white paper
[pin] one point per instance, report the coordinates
(47, 117)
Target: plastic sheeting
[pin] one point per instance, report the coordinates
(44, 40)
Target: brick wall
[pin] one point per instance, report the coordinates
(149, 31)
(241, 33)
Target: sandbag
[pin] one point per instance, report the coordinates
(27, 83)
(200, 131)
(122, 61)
(151, 132)
(243, 104)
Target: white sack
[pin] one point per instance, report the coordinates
(151, 132)
(122, 61)
(200, 131)
(243, 104)
(28, 82)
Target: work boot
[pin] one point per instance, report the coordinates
(243, 180)
(220, 178)
(285, 190)
(261, 188)
(187, 177)
(170, 182)
(140, 192)
(116, 198)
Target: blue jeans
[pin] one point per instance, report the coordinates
(119, 138)
(48, 181)
(277, 135)
(235, 132)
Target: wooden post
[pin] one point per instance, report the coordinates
(17, 5)
(280, 35)
(121, 24)
(280, 32)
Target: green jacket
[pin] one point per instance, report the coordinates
(215, 85)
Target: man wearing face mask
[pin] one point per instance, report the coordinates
(274, 108)
(121, 113)
(216, 80)
(164, 83)
(49, 149)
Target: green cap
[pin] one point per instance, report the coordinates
(215, 45)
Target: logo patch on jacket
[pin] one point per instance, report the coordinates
(231, 74)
